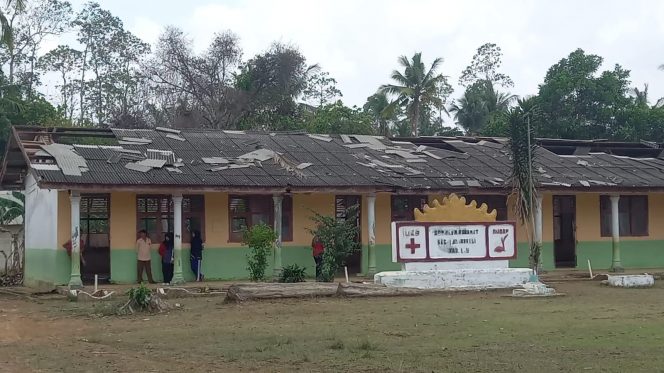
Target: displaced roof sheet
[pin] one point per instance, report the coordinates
(194, 157)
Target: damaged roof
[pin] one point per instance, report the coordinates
(195, 159)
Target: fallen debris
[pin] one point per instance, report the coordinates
(302, 166)
(430, 154)
(166, 155)
(70, 162)
(325, 138)
(176, 137)
(136, 166)
(169, 130)
(136, 141)
(260, 155)
(215, 160)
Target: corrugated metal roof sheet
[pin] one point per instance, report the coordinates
(457, 164)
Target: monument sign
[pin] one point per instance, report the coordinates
(454, 245)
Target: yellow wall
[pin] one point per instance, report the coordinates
(303, 207)
(216, 220)
(64, 217)
(123, 220)
(588, 218)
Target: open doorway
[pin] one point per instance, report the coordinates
(341, 204)
(564, 231)
(95, 228)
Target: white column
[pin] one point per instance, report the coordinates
(75, 277)
(277, 230)
(371, 225)
(616, 264)
(538, 220)
(178, 278)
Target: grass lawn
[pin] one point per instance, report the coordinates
(593, 328)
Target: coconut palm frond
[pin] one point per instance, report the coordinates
(524, 184)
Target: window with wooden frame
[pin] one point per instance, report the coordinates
(155, 214)
(632, 216)
(247, 211)
(403, 206)
(493, 201)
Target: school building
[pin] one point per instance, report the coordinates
(103, 185)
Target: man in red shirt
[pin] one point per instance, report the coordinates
(317, 251)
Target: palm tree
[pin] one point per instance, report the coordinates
(378, 106)
(497, 102)
(522, 146)
(415, 87)
(478, 103)
(470, 112)
(6, 32)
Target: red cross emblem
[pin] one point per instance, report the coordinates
(412, 246)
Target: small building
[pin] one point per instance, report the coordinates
(113, 182)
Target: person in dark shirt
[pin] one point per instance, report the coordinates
(166, 252)
(196, 254)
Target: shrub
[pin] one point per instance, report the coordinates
(339, 237)
(292, 273)
(140, 296)
(260, 239)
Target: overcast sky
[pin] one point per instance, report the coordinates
(358, 42)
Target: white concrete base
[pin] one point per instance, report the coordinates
(456, 279)
(631, 281)
(465, 264)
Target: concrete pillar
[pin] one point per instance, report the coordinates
(538, 220)
(178, 278)
(616, 264)
(75, 277)
(371, 225)
(277, 229)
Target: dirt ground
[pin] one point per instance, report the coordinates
(592, 328)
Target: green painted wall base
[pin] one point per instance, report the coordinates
(228, 263)
(635, 254)
(52, 267)
(46, 267)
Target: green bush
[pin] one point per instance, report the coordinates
(140, 296)
(339, 237)
(292, 273)
(260, 239)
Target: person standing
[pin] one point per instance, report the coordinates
(166, 253)
(196, 257)
(317, 251)
(143, 245)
